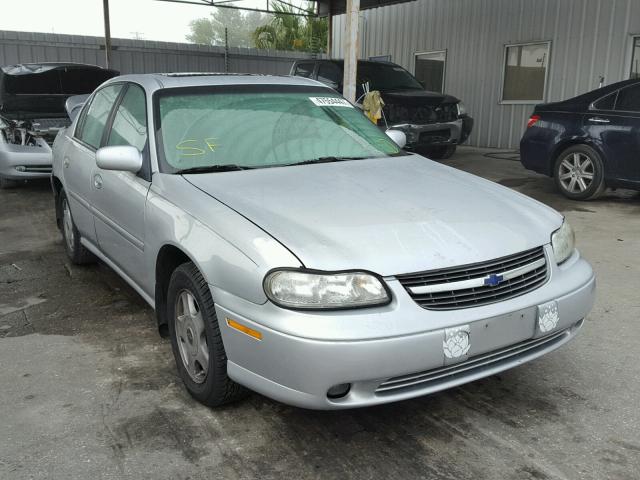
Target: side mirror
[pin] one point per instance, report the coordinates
(398, 137)
(124, 158)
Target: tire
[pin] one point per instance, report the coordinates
(76, 252)
(579, 173)
(439, 153)
(204, 376)
(6, 183)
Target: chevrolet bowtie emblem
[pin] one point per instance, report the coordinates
(493, 280)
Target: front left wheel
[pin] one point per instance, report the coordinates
(196, 340)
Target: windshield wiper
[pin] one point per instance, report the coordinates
(212, 168)
(327, 160)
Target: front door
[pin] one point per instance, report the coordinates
(79, 159)
(120, 197)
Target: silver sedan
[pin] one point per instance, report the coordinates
(290, 247)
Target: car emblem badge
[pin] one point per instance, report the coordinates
(456, 341)
(493, 280)
(548, 316)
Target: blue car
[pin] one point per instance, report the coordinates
(589, 142)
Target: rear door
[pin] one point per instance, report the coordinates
(120, 197)
(614, 123)
(79, 159)
(628, 110)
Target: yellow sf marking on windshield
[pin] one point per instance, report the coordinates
(188, 148)
(211, 143)
(189, 151)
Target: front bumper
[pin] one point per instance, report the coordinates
(436, 134)
(298, 368)
(24, 162)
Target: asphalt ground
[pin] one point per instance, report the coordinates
(88, 390)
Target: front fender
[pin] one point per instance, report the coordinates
(231, 252)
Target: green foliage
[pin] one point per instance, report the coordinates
(290, 32)
(240, 27)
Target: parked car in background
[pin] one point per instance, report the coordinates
(589, 142)
(434, 123)
(32, 110)
(289, 246)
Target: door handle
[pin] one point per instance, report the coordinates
(599, 120)
(97, 181)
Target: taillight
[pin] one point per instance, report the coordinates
(533, 119)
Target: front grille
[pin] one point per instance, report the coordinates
(420, 114)
(432, 378)
(466, 286)
(435, 136)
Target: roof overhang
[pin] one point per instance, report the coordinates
(338, 7)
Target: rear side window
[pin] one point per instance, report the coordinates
(606, 103)
(304, 70)
(629, 99)
(329, 74)
(130, 120)
(96, 116)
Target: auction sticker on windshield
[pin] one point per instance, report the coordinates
(330, 102)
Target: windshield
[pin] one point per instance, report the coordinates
(261, 126)
(384, 77)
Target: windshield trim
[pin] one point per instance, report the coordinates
(163, 164)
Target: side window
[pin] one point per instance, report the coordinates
(97, 114)
(606, 103)
(304, 70)
(329, 74)
(629, 99)
(130, 121)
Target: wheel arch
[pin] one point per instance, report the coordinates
(169, 258)
(57, 188)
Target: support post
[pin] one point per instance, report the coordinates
(107, 33)
(329, 29)
(351, 47)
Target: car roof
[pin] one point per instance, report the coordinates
(159, 81)
(340, 61)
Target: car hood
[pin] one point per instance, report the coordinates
(30, 91)
(387, 215)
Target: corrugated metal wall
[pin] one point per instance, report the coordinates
(140, 56)
(588, 38)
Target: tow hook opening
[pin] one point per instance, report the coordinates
(338, 391)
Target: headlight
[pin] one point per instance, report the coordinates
(462, 110)
(563, 242)
(300, 289)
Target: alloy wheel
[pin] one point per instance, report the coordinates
(191, 337)
(576, 172)
(67, 222)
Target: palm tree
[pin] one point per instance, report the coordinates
(291, 32)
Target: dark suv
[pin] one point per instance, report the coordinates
(434, 123)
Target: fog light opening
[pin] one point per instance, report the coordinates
(338, 391)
